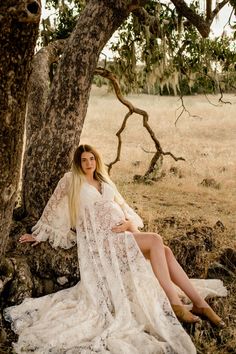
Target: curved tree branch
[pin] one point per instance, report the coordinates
(132, 109)
(202, 25)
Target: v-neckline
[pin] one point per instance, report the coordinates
(100, 193)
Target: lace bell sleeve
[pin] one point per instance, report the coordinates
(132, 215)
(128, 211)
(54, 224)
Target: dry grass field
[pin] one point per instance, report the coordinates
(178, 202)
(207, 142)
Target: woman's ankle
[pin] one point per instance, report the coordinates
(200, 303)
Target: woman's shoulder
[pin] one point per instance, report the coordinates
(65, 180)
(67, 176)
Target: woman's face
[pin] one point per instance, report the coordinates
(88, 163)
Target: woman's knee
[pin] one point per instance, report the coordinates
(168, 251)
(156, 240)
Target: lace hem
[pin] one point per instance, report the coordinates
(56, 238)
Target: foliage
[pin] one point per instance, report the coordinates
(64, 16)
(174, 56)
(166, 55)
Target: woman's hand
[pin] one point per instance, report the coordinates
(28, 238)
(122, 226)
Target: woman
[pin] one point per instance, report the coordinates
(120, 305)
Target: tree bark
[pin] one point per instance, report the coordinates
(19, 20)
(197, 20)
(68, 99)
(39, 88)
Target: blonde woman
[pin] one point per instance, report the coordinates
(121, 304)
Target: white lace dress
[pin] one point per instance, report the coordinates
(118, 306)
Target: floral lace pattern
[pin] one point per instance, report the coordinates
(117, 307)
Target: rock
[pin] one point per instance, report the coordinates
(219, 226)
(6, 273)
(210, 182)
(22, 285)
(62, 280)
(175, 171)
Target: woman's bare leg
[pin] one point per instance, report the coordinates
(167, 269)
(153, 244)
(180, 278)
(176, 273)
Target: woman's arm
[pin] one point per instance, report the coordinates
(54, 224)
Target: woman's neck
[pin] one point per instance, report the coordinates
(90, 178)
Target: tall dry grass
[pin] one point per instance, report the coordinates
(206, 139)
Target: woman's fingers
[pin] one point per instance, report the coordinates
(27, 238)
(35, 243)
(120, 227)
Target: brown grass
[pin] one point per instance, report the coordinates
(208, 144)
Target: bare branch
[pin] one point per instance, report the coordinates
(213, 104)
(132, 109)
(184, 109)
(197, 20)
(217, 9)
(221, 97)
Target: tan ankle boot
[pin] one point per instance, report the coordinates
(184, 315)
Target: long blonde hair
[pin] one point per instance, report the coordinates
(78, 177)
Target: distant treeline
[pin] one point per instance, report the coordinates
(225, 83)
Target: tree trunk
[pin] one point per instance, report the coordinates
(19, 20)
(67, 103)
(39, 88)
